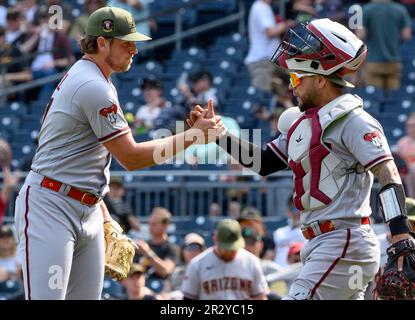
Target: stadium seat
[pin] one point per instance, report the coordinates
(13, 108)
(10, 123)
(11, 290)
(112, 290)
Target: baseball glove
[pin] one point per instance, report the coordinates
(119, 251)
(393, 284)
(5, 153)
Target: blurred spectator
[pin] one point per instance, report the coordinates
(77, 30)
(225, 271)
(254, 243)
(300, 11)
(9, 182)
(385, 25)
(135, 284)
(16, 35)
(294, 251)
(410, 6)
(193, 245)
(66, 13)
(3, 14)
(152, 89)
(119, 208)
(10, 266)
(406, 150)
(264, 37)
(285, 236)
(215, 210)
(281, 98)
(332, 9)
(140, 9)
(251, 218)
(159, 256)
(234, 210)
(199, 92)
(54, 51)
(13, 70)
(29, 8)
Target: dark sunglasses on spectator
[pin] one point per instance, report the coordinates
(193, 247)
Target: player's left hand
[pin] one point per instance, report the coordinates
(119, 251)
(397, 282)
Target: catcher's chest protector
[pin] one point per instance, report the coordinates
(319, 174)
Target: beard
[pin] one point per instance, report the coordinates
(305, 103)
(117, 65)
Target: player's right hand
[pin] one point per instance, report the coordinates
(197, 112)
(207, 127)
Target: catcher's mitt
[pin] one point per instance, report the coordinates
(5, 153)
(119, 251)
(393, 284)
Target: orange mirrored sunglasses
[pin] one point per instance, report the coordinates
(295, 78)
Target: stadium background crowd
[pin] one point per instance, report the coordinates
(223, 64)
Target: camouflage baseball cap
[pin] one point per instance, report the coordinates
(114, 22)
(229, 235)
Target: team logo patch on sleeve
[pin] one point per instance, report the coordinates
(110, 113)
(374, 137)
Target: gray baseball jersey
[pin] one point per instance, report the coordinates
(61, 241)
(210, 278)
(330, 150)
(358, 140)
(83, 113)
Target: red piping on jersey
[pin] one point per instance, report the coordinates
(114, 133)
(90, 60)
(190, 296)
(316, 154)
(27, 243)
(299, 174)
(378, 159)
(325, 275)
(278, 152)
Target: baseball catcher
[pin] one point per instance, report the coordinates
(119, 251)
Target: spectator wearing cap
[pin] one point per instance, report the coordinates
(225, 271)
(152, 89)
(10, 265)
(251, 217)
(200, 90)
(285, 236)
(193, 245)
(135, 284)
(119, 209)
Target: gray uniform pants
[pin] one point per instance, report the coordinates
(337, 265)
(61, 244)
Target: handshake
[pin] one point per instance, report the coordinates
(205, 125)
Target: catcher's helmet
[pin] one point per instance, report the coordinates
(322, 47)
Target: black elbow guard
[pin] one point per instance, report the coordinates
(392, 205)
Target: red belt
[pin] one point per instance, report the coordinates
(324, 227)
(83, 197)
